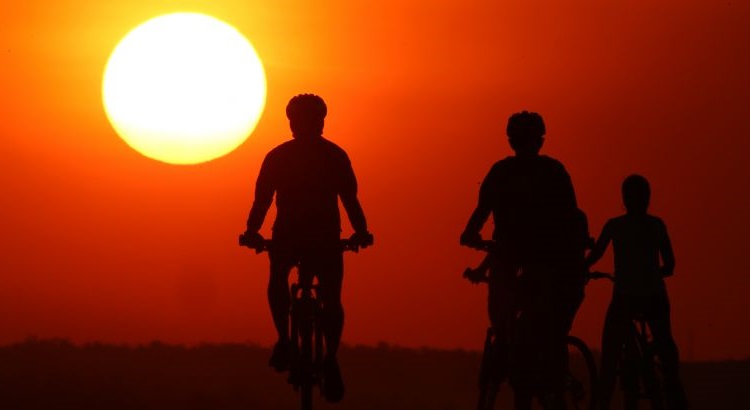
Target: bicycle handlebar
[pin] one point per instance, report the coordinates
(266, 244)
(600, 275)
(479, 276)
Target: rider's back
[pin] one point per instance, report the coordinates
(533, 205)
(307, 176)
(636, 240)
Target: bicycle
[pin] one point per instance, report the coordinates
(306, 333)
(638, 352)
(580, 379)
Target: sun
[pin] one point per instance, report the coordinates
(184, 88)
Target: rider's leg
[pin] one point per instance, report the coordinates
(524, 360)
(279, 300)
(612, 340)
(500, 308)
(551, 350)
(278, 292)
(566, 299)
(330, 271)
(330, 268)
(666, 349)
(550, 313)
(630, 368)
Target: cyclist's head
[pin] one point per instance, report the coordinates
(306, 113)
(636, 194)
(526, 132)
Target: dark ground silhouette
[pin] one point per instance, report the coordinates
(55, 374)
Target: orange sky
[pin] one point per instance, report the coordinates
(101, 243)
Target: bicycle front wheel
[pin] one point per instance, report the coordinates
(488, 384)
(581, 378)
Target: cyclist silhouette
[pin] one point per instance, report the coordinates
(308, 175)
(638, 240)
(536, 270)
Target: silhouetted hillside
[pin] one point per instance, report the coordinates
(58, 375)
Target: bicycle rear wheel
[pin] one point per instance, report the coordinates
(581, 378)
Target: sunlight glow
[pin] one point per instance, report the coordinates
(184, 88)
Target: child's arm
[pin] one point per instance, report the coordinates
(600, 246)
(665, 250)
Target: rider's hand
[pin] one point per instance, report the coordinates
(363, 239)
(471, 239)
(474, 275)
(253, 240)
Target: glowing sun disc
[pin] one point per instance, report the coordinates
(184, 88)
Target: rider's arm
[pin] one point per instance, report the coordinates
(264, 190)
(600, 246)
(566, 194)
(348, 194)
(481, 212)
(665, 250)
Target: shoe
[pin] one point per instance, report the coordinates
(279, 360)
(333, 384)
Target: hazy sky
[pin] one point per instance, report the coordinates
(101, 243)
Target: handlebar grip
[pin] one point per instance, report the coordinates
(349, 245)
(475, 276)
(257, 246)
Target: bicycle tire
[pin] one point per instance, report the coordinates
(581, 381)
(303, 327)
(306, 366)
(488, 387)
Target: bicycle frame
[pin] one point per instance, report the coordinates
(308, 347)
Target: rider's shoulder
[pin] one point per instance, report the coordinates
(334, 151)
(617, 220)
(504, 164)
(332, 146)
(552, 163)
(511, 163)
(295, 146)
(656, 221)
(282, 148)
(647, 220)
